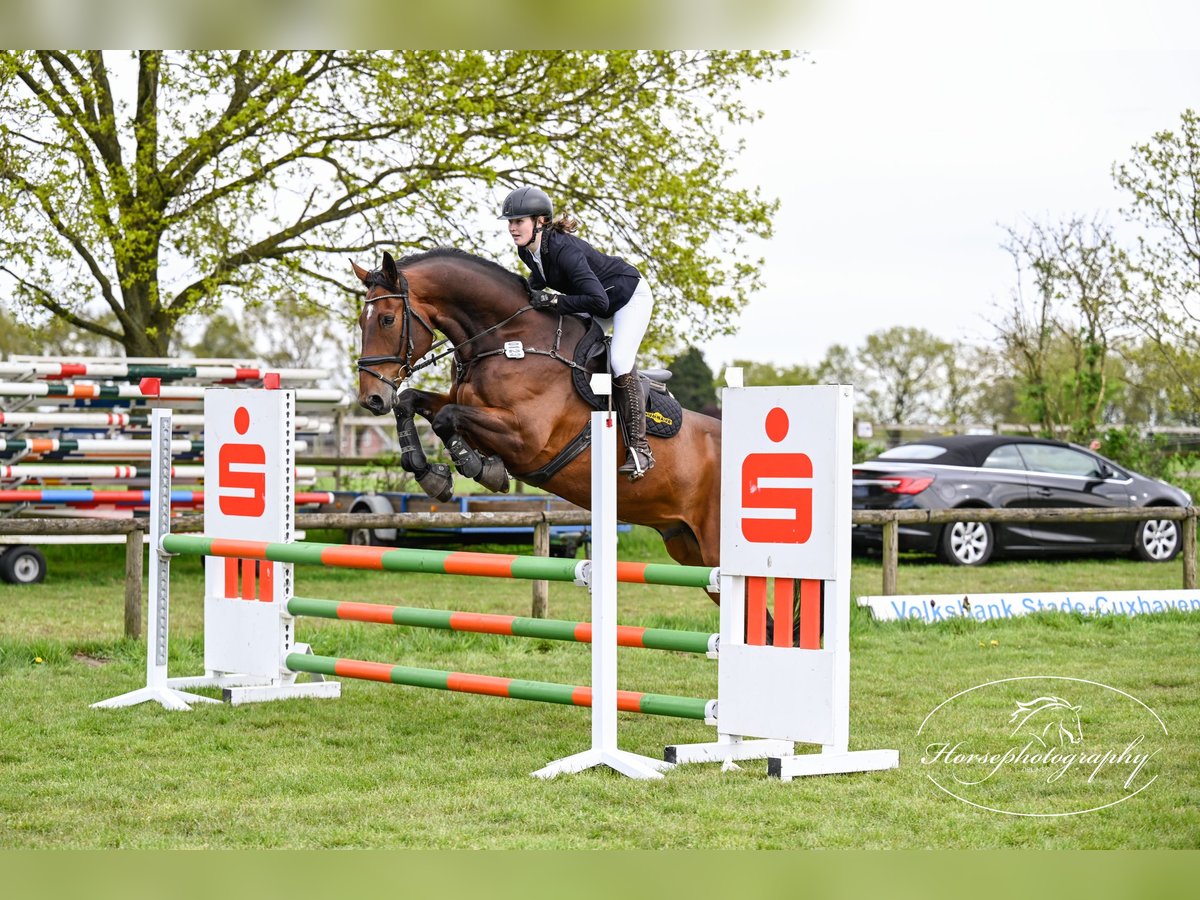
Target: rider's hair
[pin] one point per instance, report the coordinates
(563, 223)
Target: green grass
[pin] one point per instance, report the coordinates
(387, 766)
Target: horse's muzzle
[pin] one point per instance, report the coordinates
(376, 403)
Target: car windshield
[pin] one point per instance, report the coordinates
(913, 451)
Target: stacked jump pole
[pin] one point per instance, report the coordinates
(89, 445)
(785, 522)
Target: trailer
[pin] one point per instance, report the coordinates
(565, 540)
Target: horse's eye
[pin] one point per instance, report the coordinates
(387, 321)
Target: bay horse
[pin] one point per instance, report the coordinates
(520, 412)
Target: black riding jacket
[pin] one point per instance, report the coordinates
(587, 280)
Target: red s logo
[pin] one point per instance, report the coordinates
(255, 483)
(796, 526)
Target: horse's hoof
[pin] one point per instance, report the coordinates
(437, 482)
(494, 476)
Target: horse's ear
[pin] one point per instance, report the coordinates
(359, 271)
(389, 267)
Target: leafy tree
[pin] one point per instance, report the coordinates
(55, 337)
(759, 374)
(1062, 342)
(1151, 394)
(837, 367)
(902, 369)
(692, 381)
(1162, 180)
(157, 185)
(15, 336)
(224, 337)
(970, 375)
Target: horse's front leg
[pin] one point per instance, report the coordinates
(435, 479)
(489, 426)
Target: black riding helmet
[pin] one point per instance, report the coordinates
(526, 201)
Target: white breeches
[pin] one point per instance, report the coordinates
(628, 326)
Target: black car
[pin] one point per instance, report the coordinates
(998, 472)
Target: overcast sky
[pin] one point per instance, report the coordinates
(914, 131)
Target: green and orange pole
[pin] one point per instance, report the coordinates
(440, 562)
(485, 623)
(493, 686)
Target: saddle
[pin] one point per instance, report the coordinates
(664, 415)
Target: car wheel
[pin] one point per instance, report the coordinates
(361, 537)
(966, 543)
(22, 565)
(1157, 540)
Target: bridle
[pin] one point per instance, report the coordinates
(364, 363)
(408, 367)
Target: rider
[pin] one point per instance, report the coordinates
(588, 281)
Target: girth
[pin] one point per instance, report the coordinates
(578, 444)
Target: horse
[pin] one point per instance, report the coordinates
(512, 399)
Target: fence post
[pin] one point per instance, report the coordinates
(134, 542)
(541, 589)
(891, 555)
(1189, 550)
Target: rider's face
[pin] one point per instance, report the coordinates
(521, 230)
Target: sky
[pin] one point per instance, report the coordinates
(913, 132)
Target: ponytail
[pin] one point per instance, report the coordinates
(564, 224)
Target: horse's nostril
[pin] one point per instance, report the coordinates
(375, 403)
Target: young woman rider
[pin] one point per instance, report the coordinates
(588, 281)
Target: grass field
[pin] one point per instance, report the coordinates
(388, 766)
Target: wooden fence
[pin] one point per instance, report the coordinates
(890, 520)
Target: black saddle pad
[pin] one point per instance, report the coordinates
(664, 415)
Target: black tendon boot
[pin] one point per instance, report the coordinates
(632, 410)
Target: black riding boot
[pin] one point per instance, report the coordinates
(632, 410)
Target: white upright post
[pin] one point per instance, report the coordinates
(603, 585)
(836, 757)
(785, 516)
(157, 688)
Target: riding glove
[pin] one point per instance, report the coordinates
(542, 300)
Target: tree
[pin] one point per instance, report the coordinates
(224, 337)
(692, 381)
(998, 397)
(837, 366)
(253, 174)
(56, 337)
(1062, 342)
(758, 374)
(1162, 179)
(1151, 393)
(901, 370)
(971, 375)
